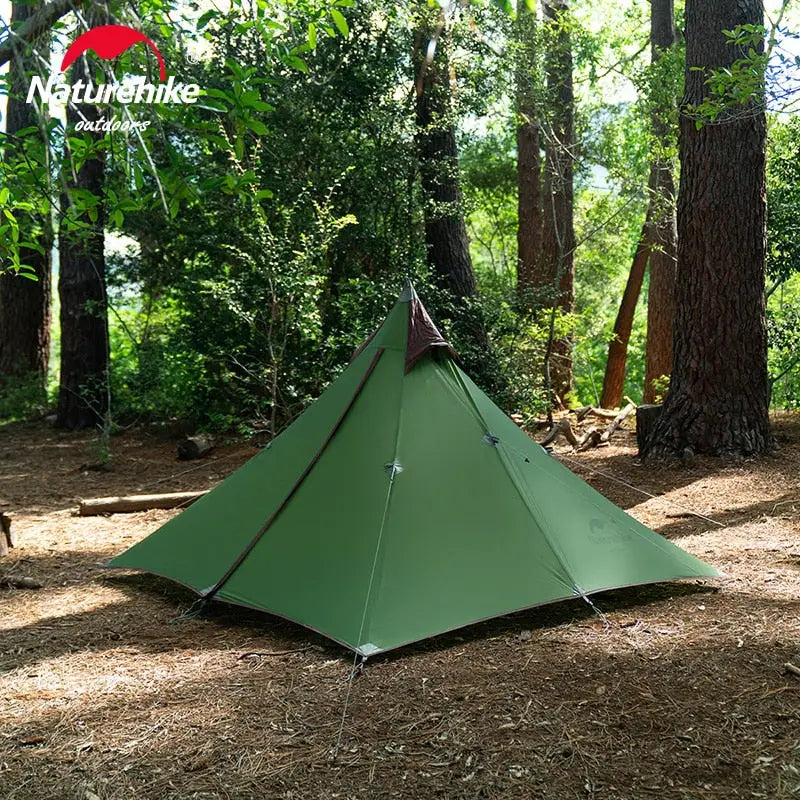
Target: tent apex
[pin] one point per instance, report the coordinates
(408, 294)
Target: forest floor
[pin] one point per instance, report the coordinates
(679, 693)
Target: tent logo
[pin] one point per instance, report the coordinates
(110, 41)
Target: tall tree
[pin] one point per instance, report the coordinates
(614, 379)
(25, 303)
(718, 397)
(83, 390)
(663, 257)
(529, 159)
(445, 229)
(558, 234)
(658, 241)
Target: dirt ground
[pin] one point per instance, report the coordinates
(680, 692)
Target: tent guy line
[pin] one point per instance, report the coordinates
(666, 499)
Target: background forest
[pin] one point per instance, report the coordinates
(518, 164)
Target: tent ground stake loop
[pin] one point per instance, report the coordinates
(194, 610)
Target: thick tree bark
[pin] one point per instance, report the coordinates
(558, 235)
(83, 391)
(614, 380)
(529, 163)
(445, 229)
(718, 397)
(663, 258)
(24, 303)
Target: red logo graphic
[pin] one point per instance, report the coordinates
(109, 41)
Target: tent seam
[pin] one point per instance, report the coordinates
(242, 557)
(366, 615)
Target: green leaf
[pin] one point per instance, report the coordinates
(260, 105)
(296, 62)
(206, 18)
(264, 194)
(220, 94)
(340, 21)
(4, 195)
(211, 105)
(256, 126)
(312, 35)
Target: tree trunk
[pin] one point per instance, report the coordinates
(663, 258)
(529, 163)
(614, 380)
(558, 235)
(445, 229)
(718, 397)
(83, 391)
(24, 303)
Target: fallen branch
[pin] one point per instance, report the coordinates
(591, 438)
(618, 420)
(12, 582)
(137, 502)
(562, 427)
(789, 667)
(585, 411)
(269, 654)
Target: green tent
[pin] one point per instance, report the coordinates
(402, 504)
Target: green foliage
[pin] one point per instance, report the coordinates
(22, 398)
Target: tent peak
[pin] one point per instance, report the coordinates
(409, 293)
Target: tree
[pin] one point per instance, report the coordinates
(445, 229)
(529, 159)
(545, 233)
(718, 398)
(25, 303)
(661, 185)
(84, 384)
(558, 234)
(614, 379)
(658, 241)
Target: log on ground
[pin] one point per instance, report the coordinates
(195, 446)
(137, 502)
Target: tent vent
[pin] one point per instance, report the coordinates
(393, 468)
(491, 439)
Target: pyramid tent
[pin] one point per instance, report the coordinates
(402, 504)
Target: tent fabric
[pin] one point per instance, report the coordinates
(423, 335)
(402, 504)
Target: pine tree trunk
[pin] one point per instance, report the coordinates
(529, 164)
(83, 391)
(24, 303)
(614, 380)
(558, 235)
(718, 397)
(445, 230)
(663, 258)
(446, 235)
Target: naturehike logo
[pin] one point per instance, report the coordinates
(110, 41)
